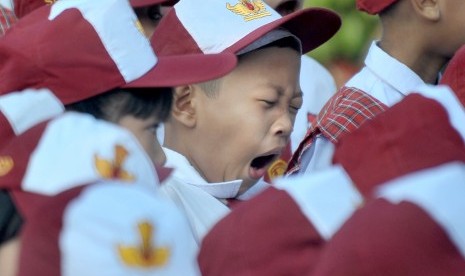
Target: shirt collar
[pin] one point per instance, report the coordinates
(392, 71)
(185, 172)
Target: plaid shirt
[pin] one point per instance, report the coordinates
(342, 114)
(7, 18)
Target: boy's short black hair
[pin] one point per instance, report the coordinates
(138, 102)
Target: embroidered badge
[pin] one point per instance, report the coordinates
(277, 169)
(6, 165)
(249, 9)
(146, 254)
(113, 169)
(49, 2)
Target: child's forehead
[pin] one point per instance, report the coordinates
(260, 75)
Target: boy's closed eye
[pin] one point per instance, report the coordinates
(294, 109)
(269, 103)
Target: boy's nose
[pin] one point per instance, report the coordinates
(284, 125)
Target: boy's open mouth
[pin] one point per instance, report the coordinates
(259, 165)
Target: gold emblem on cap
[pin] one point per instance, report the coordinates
(6, 165)
(113, 169)
(49, 2)
(249, 9)
(277, 169)
(146, 254)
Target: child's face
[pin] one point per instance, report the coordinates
(145, 130)
(251, 116)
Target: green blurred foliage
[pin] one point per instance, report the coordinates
(353, 39)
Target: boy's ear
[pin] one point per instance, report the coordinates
(184, 108)
(429, 9)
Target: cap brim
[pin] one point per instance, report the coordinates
(186, 69)
(313, 26)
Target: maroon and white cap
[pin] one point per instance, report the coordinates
(267, 235)
(23, 7)
(374, 6)
(215, 26)
(415, 227)
(73, 50)
(108, 228)
(422, 131)
(282, 230)
(71, 150)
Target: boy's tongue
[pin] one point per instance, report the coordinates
(257, 173)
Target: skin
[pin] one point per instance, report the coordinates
(145, 131)
(424, 34)
(251, 115)
(9, 257)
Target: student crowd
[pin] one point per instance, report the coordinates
(263, 166)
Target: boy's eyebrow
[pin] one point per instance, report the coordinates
(280, 91)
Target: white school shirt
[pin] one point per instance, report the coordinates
(201, 201)
(383, 77)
